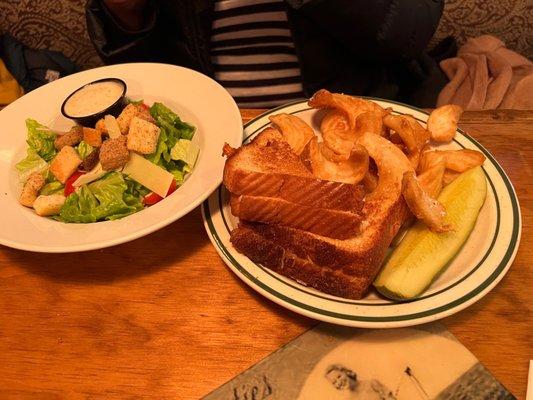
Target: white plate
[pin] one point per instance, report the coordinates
(483, 261)
(194, 97)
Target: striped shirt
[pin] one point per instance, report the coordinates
(253, 54)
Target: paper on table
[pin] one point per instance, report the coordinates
(332, 362)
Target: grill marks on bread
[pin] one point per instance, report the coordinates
(331, 223)
(268, 167)
(344, 268)
(301, 190)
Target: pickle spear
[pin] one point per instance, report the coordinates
(423, 254)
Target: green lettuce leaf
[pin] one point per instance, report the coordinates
(41, 140)
(186, 151)
(160, 113)
(135, 102)
(135, 188)
(105, 199)
(179, 176)
(32, 163)
(84, 149)
(172, 130)
(51, 188)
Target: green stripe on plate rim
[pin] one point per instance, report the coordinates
(501, 266)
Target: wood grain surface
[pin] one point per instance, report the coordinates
(163, 318)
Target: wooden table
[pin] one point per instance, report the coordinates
(163, 318)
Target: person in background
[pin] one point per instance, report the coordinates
(269, 52)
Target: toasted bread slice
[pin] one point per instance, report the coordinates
(268, 167)
(326, 222)
(340, 266)
(344, 268)
(272, 254)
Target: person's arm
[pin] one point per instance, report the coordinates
(384, 29)
(123, 30)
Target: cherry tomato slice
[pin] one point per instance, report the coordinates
(153, 198)
(172, 188)
(69, 188)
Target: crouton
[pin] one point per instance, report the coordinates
(65, 163)
(143, 136)
(72, 138)
(31, 189)
(49, 205)
(125, 117)
(93, 137)
(100, 126)
(114, 153)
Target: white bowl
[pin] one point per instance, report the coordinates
(196, 98)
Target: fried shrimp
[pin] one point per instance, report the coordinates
(442, 122)
(295, 131)
(325, 164)
(429, 210)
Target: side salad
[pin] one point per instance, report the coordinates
(109, 171)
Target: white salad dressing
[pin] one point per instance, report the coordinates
(93, 98)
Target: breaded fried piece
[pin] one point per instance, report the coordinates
(31, 189)
(72, 138)
(114, 153)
